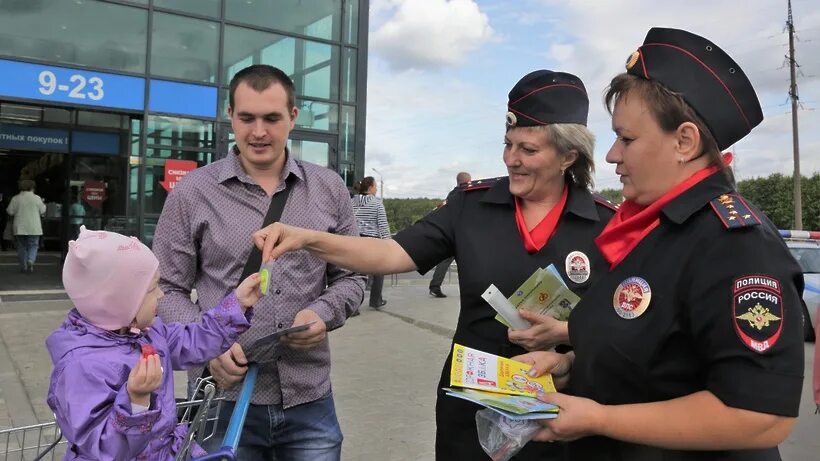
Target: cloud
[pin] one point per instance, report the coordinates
(598, 36)
(422, 131)
(429, 34)
(429, 117)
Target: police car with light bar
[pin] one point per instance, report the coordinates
(805, 247)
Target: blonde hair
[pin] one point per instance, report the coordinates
(566, 137)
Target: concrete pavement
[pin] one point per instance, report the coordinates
(386, 366)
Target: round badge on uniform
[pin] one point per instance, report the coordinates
(577, 267)
(632, 298)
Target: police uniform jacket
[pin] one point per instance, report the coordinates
(723, 315)
(477, 225)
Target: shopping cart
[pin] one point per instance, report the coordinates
(237, 421)
(45, 442)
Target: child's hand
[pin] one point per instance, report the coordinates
(144, 378)
(248, 292)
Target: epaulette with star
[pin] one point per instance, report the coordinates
(601, 200)
(733, 211)
(479, 184)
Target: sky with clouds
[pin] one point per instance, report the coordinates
(439, 72)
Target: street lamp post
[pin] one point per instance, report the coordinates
(381, 183)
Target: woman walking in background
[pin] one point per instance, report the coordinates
(27, 208)
(372, 221)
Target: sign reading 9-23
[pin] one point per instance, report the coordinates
(62, 84)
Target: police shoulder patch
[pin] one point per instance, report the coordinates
(478, 184)
(757, 310)
(733, 211)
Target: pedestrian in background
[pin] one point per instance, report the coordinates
(372, 221)
(77, 212)
(691, 346)
(27, 208)
(462, 179)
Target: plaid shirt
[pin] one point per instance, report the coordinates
(203, 240)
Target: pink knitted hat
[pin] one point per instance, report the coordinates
(107, 276)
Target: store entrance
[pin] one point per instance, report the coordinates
(79, 162)
(48, 171)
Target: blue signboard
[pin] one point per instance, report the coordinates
(61, 84)
(90, 142)
(32, 138)
(182, 98)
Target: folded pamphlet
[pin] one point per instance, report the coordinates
(515, 407)
(544, 293)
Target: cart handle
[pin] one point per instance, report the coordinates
(232, 434)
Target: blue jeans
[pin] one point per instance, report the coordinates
(27, 249)
(307, 432)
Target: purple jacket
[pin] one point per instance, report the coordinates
(88, 384)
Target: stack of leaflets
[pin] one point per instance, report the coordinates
(544, 293)
(499, 384)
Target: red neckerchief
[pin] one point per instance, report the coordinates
(633, 222)
(535, 239)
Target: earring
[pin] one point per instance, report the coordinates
(681, 161)
(562, 171)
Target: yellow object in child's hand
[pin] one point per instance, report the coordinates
(264, 278)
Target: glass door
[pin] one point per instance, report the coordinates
(315, 148)
(97, 194)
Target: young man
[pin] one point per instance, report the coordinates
(203, 240)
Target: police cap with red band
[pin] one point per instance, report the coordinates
(545, 97)
(705, 76)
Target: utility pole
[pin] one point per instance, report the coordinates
(798, 205)
(381, 183)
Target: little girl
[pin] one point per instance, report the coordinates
(112, 388)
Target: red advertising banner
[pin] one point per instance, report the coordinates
(94, 193)
(174, 171)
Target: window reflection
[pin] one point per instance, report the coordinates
(182, 132)
(317, 115)
(349, 75)
(184, 47)
(313, 66)
(321, 19)
(348, 134)
(203, 7)
(351, 21)
(311, 151)
(73, 32)
(348, 173)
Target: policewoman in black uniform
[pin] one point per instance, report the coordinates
(690, 346)
(500, 231)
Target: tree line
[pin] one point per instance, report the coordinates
(772, 194)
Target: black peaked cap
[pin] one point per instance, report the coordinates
(544, 97)
(706, 77)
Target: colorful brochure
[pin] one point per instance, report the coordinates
(499, 383)
(544, 293)
(514, 407)
(475, 369)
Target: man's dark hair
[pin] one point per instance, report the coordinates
(260, 77)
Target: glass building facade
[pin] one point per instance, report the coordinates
(106, 103)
